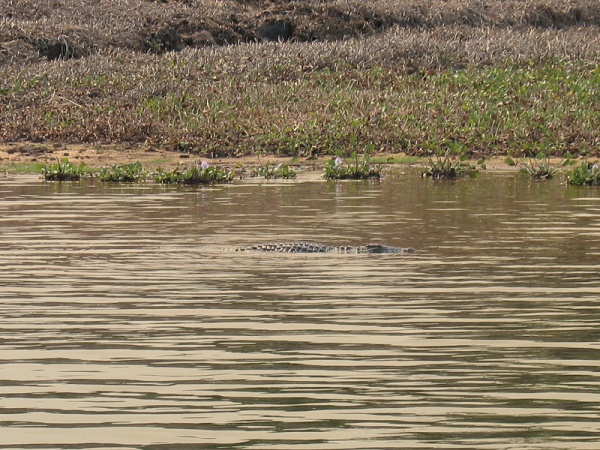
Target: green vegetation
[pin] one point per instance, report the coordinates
(399, 76)
(22, 167)
(443, 167)
(518, 109)
(196, 174)
(451, 163)
(541, 168)
(124, 173)
(274, 171)
(585, 174)
(359, 168)
(63, 170)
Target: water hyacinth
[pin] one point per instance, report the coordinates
(359, 169)
(197, 173)
(123, 173)
(585, 174)
(63, 170)
(541, 168)
(268, 171)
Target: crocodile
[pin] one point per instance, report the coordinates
(312, 247)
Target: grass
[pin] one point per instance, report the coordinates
(73, 29)
(397, 76)
(22, 167)
(519, 110)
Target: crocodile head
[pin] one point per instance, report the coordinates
(378, 248)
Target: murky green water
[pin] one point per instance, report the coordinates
(125, 321)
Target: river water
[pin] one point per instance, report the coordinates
(126, 320)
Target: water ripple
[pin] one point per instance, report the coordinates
(125, 321)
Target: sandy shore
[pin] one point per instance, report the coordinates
(13, 155)
(18, 155)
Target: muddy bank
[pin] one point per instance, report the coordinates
(19, 157)
(22, 156)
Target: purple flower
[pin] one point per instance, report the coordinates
(338, 161)
(205, 165)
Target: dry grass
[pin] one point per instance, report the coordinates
(72, 28)
(397, 75)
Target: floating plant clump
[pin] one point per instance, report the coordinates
(202, 173)
(124, 173)
(274, 171)
(63, 170)
(359, 168)
(585, 174)
(443, 166)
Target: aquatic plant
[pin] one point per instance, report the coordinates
(196, 174)
(63, 170)
(540, 167)
(359, 168)
(451, 163)
(274, 171)
(585, 174)
(123, 173)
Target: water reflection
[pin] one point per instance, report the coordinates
(126, 322)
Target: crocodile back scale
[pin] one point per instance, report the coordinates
(313, 247)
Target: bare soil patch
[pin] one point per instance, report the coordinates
(97, 156)
(16, 154)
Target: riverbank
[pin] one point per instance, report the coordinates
(31, 157)
(491, 79)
